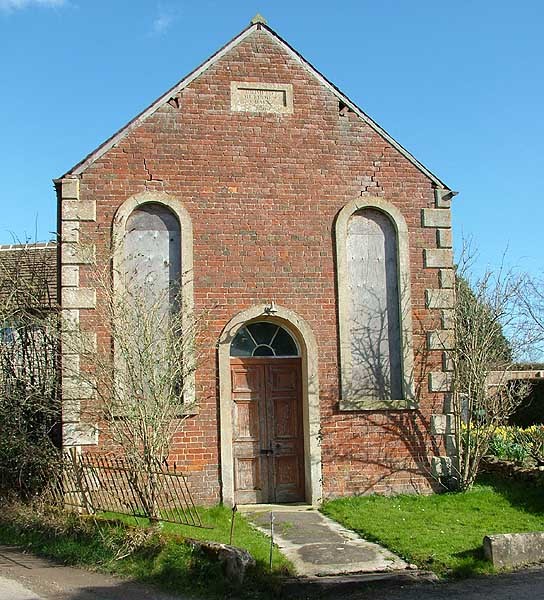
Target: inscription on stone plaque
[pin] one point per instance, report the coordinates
(262, 97)
(257, 100)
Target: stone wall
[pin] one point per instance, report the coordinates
(511, 470)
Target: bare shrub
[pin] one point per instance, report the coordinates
(483, 396)
(143, 380)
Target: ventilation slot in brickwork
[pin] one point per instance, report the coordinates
(174, 101)
(343, 109)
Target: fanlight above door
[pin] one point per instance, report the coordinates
(263, 339)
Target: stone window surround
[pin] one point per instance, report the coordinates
(405, 307)
(187, 274)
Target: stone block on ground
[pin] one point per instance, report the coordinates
(514, 549)
(234, 561)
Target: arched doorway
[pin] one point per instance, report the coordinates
(267, 433)
(269, 408)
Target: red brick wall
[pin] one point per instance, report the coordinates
(263, 191)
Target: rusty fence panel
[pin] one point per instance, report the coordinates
(106, 484)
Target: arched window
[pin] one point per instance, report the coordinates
(263, 338)
(374, 306)
(153, 298)
(152, 257)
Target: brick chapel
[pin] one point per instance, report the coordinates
(319, 251)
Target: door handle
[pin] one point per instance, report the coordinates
(266, 451)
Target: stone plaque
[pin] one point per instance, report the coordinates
(262, 97)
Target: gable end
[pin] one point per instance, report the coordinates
(80, 168)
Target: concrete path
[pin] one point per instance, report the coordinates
(318, 546)
(27, 577)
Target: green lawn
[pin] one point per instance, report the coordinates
(161, 558)
(217, 522)
(444, 532)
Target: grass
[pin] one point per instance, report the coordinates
(441, 532)
(444, 532)
(160, 557)
(217, 522)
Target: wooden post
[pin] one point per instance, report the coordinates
(271, 538)
(234, 510)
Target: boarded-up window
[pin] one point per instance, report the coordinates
(375, 339)
(152, 261)
(152, 308)
(147, 308)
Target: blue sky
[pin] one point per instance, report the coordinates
(459, 84)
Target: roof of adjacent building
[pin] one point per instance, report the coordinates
(28, 275)
(257, 24)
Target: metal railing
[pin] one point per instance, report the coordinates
(104, 484)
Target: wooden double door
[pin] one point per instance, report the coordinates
(268, 438)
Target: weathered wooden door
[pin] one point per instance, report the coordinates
(268, 442)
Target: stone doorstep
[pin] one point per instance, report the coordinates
(296, 586)
(275, 508)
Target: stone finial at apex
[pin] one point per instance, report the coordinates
(258, 18)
